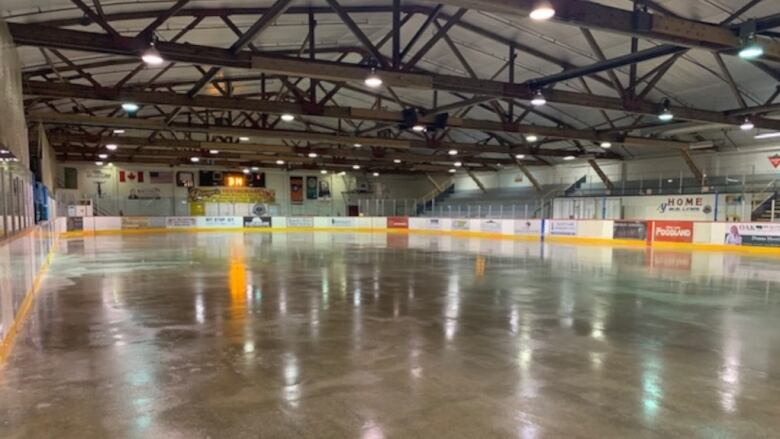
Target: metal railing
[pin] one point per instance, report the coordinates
(17, 211)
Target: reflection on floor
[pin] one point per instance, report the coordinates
(383, 336)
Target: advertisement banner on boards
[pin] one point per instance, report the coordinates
(397, 222)
(220, 221)
(630, 230)
(528, 227)
(755, 234)
(300, 221)
(342, 222)
(142, 222)
(490, 226)
(460, 224)
(75, 224)
(434, 223)
(180, 222)
(257, 222)
(690, 204)
(673, 231)
(563, 227)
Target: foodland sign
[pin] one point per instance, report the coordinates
(693, 204)
(673, 231)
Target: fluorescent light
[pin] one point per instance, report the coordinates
(280, 162)
(531, 138)
(606, 145)
(373, 80)
(312, 155)
(119, 131)
(288, 117)
(747, 125)
(130, 107)
(243, 139)
(569, 157)
(112, 146)
(213, 151)
(152, 56)
(452, 152)
(418, 128)
(520, 156)
(543, 10)
(356, 167)
(769, 135)
(102, 156)
(194, 159)
(538, 100)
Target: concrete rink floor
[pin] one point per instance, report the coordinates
(337, 335)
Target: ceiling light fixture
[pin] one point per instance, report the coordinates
(99, 163)
(194, 159)
(751, 49)
(373, 80)
(543, 10)
(323, 172)
(243, 139)
(606, 145)
(538, 100)
(396, 161)
(375, 174)
(452, 171)
(312, 155)
(569, 158)
(747, 125)
(130, 107)
(770, 135)
(531, 138)
(666, 114)
(102, 156)
(457, 164)
(119, 131)
(245, 171)
(213, 151)
(280, 162)
(287, 117)
(452, 152)
(520, 156)
(152, 56)
(356, 167)
(357, 145)
(418, 128)
(112, 147)
(255, 168)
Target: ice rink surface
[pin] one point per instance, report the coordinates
(338, 335)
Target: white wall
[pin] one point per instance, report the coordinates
(13, 127)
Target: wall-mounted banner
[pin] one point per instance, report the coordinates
(131, 176)
(528, 227)
(296, 190)
(232, 195)
(144, 193)
(160, 177)
(311, 188)
(143, 222)
(180, 222)
(629, 230)
(685, 203)
(251, 222)
(300, 221)
(98, 175)
(775, 160)
(563, 227)
(460, 224)
(220, 221)
(756, 234)
(490, 226)
(397, 222)
(342, 222)
(75, 224)
(324, 192)
(673, 231)
(434, 223)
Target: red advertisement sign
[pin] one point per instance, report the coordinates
(397, 222)
(673, 231)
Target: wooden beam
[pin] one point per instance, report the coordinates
(527, 172)
(476, 180)
(76, 40)
(604, 178)
(435, 183)
(692, 166)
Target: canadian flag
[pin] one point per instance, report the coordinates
(125, 176)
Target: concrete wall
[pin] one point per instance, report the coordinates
(13, 128)
(48, 160)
